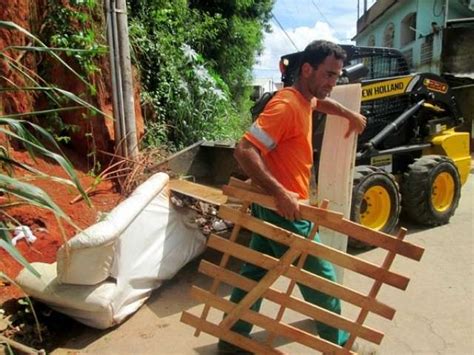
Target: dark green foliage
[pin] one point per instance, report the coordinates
(238, 38)
(71, 27)
(195, 62)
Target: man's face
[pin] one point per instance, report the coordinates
(324, 77)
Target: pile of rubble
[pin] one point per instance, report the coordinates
(206, 214)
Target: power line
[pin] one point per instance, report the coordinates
(266, 69)
(322, 15)
(287, 35)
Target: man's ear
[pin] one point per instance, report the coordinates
(306, 70)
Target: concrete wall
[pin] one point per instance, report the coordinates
(458, 51)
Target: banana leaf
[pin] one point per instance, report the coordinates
(31, 194)
(37, 173)
(43, 112)
(13, 26)
(33, 145)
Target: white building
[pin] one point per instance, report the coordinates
(262, 85)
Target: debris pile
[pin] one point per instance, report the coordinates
(206, 214)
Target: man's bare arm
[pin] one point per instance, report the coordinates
(357, 122)
(248, 156)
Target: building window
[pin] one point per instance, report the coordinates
(409, 57)
(408, 29)
(371, 41)
(427, 50)
(388, 35)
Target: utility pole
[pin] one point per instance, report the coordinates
(127, 80)
(126, 142)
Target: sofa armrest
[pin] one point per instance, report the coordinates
(87, 258)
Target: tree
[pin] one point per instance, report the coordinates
(237, 39)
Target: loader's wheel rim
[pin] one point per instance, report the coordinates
(442, 192)
(375, 208)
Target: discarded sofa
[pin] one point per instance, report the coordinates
(108, 271)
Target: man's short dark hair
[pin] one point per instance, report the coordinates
(317, 51)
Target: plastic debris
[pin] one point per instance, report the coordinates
(177, 201)
(201, 221)
(219, 225)
(23, 232)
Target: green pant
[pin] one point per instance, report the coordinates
(317, 266)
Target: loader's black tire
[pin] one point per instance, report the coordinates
(431, 190)
(375, 201)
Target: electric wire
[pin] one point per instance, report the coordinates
(284, 31)
(322, 15)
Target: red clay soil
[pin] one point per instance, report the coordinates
(44, 224)
(30, 15)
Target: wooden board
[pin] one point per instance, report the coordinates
(200, 192)
(336, 167)
(290, 266)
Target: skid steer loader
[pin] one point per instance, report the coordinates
(410, 157)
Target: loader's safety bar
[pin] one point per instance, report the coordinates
(393, 126)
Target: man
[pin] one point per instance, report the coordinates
(277, 155)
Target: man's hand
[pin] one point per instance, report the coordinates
(287, 204)
(329, 106)
(357, 123)
(253, 165)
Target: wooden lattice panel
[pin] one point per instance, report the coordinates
(298, 249)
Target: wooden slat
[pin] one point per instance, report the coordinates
(299, 265)
(389, 258)
(285, 237)
(335, 221)
(270, 277)
(301, 276)
(231, 337)
(224, 260)
(293, 303)
(244, 185)
(260, 320)
(201, 192)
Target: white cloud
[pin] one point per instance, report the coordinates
(277, 44)
(304, 22)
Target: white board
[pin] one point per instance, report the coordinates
(336, 165)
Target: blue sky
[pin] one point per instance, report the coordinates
(304, 21)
